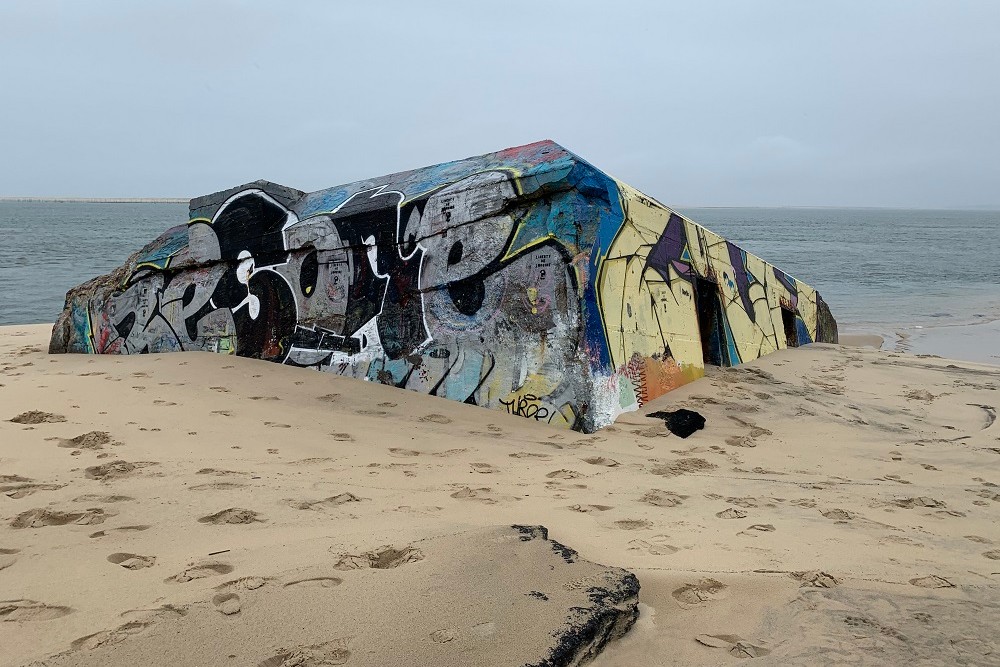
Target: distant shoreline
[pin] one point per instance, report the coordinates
(100, 200)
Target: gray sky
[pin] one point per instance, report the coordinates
(869, 103)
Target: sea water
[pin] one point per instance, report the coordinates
(880, 270)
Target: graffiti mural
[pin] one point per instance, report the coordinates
(525, 280)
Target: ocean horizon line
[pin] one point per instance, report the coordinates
(812, 207)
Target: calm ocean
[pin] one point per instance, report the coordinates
(880, 270)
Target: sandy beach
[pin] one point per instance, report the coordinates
(840, 507)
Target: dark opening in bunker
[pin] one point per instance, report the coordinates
(710, 323)
(791, 333)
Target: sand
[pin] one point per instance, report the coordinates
(840, 505)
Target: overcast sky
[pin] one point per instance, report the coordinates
(868, 103)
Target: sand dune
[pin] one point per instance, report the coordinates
(839, 506)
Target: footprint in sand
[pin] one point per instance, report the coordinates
(120, 529)
(399, 452)
(316, 582)
(40, 518)
(564, 474)
(932, 581)
(89, 440)
(264, 398)
(601, 461)
(659, 498)
(277, 425)
(243, 584)
(17, 491)
(992, 555)
(706, 590)
(37, 417)
(731, 513)
(342, 437)
(838, 515)
(7, 557)
(115, 470)
(590, 509)
(383, 558)
(530, 455)
(161, 402)
(657, 545)
(815, 579)
(325, 503)
(633, 524)
(98, 498)
(328, 398)
(30, 610)
(132, 561)
(329, 653)
(224, 390)
(200, 571)
(235, 515)
(435, 419)
(484, 468)
(223, 413)
(227, 603)
(217, 486)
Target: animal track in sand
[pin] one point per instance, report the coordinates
(30, 610)
(314, 655)
(132, 561)
(316, 582)
(435, 419)
(200, 571)
(706, 590)
(383, 558)
(332, 501)
(122, 529)
(89, 440)
(235, 515)
(39, 518)
(227, 603)
(37, 417)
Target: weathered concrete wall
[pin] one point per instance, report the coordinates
(525, 281)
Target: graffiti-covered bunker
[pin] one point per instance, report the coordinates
(526, 281)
